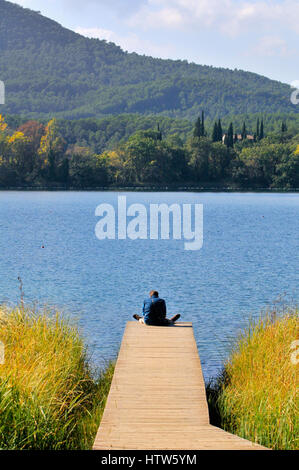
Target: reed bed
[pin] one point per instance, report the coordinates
(49, 397)
(256, 396)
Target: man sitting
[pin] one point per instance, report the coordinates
(154, 312)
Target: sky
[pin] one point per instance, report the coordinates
(260, 36)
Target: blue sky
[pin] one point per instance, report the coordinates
(261, 36)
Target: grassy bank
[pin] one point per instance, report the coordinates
(49, 398)
(256, 395)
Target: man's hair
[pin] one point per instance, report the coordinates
(154, 293)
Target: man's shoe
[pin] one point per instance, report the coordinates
(137, 317)
(175, 318)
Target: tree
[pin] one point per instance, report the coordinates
(244, 131)
(261, 136)
(203, 131)
(16, 158)
(34, 130)
(52, 152)
(257, 129)
(159, 135)
(261, 162)
(148, 160)
(198, 128)
(115, 162)
(3, 139)
(220, 131)
(86, 169)
(3, 125)
(287, 171)
(215, 134)
(284, 127)
(140, 154)
(230, 136)
(199, 158)
(21, 154)
(218, 161)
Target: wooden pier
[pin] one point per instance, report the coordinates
(157, 398)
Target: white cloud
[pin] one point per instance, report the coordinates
(270, 46)
(130, 42)
(116, 5)
(231, 17)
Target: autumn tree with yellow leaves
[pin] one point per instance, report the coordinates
(3, 140)
(16, 154)
(54, 164)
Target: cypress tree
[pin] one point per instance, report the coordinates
(261, 136)
(203, 132)
(244, 131)
(258, 128)
(284, 127)
(215, 135)
(197, 128)
(159, 136)
(230, 136)
(220, 131)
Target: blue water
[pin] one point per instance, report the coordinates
(249, 259)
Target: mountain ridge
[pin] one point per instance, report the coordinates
(49, 70)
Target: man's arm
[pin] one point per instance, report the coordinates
(164, 309)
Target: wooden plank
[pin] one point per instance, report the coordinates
(157, 398)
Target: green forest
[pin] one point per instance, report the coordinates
(50, 71)
(126, 152)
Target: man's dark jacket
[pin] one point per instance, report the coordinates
(154, 311)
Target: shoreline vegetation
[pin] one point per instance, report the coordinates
(65, 155)
(256, 395)
(51, 399)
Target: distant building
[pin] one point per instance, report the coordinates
(238, 137)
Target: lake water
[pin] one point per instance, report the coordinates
(249, 259)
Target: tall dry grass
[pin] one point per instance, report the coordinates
(256, 397)
(49, 399)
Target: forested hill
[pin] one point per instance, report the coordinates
(51, 71)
